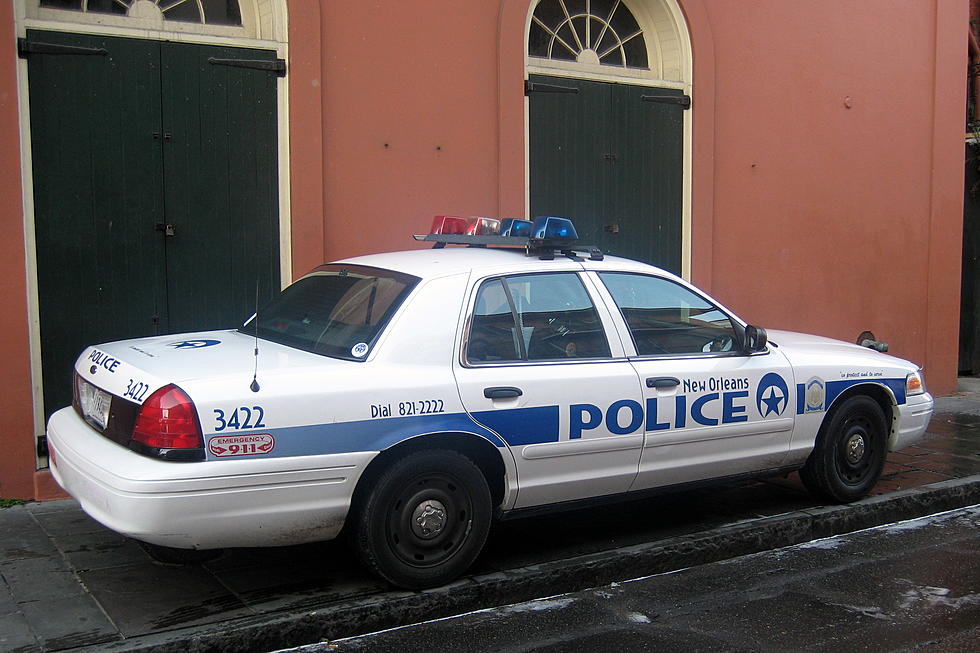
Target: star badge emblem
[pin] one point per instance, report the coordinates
(772, 395)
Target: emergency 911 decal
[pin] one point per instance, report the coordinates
(251, 444)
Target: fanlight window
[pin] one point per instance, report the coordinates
(206, 12)
(587, 31)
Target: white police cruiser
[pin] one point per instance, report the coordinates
(412, 397)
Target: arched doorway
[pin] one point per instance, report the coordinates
(153, 184)
(609, 86)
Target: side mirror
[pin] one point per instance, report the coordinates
(755, 339)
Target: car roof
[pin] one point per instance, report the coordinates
(431, 263)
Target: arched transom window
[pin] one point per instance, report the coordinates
(587, 32)
(206, 12)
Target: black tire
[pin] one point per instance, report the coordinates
(425, 519)
(849, 453)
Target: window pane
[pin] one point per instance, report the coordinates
(493, 336)
(222, 12)
(334, 310)
(667, 318)
(182, 10)
(63, 4)
(556, 317)
(106, 7)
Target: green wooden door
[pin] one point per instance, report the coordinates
(128, 136)
(221, 184)
(610, 156)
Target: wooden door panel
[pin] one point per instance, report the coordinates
(221, 184)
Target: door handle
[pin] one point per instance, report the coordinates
(663, 382)
(502, 392)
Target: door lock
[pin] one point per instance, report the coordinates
(167, 229)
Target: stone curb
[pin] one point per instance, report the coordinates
(269, 632)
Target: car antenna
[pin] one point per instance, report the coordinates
(254, 386)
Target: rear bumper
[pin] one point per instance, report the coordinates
(912, 419)
(207, 504)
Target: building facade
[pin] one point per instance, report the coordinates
(163, 162)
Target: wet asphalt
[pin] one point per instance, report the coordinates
(68, 583)
(910, 585)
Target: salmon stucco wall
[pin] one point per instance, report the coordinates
(305, 137)
(409, 119)
(838, 170)
(17, 460)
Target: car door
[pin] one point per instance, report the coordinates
(538, 368)
(712, 410)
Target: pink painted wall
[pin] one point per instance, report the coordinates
(838, 170)
(409, 119)
(17, 438)
(306, 153)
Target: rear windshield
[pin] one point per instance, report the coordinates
(337, 311)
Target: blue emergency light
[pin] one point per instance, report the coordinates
(552, 228)
(515, 227)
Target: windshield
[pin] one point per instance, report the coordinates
(338, 311)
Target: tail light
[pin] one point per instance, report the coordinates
(168, 420)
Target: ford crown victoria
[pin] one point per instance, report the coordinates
(411, 398)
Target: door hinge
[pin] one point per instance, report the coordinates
(683, 101)
(277, 66)
(26, 47)
(537, 87)
(42, 446)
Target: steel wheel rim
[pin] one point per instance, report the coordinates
(856, 451)
(429, 520)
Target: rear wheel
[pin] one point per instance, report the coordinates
(425, 520)
(849, 453)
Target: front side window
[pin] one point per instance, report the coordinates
(337, 311)
(667, 318)
(535, 317)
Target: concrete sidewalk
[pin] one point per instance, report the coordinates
(68, 583)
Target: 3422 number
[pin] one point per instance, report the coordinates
(240, 418)
(136, 390)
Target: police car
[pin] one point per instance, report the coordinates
(411, 398)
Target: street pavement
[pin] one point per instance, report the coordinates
(910, 585)
(70, 584)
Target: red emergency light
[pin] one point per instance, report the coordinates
(474, 226)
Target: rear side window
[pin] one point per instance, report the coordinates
(535, 317)
(337, 311)
(667, 318)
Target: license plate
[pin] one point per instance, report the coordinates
(95, 404)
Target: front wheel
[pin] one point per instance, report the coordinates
(849, 453)
(425, 520)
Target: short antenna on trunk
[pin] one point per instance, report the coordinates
(254, 386)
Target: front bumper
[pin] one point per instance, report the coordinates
(911, 420)
(203, 505)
